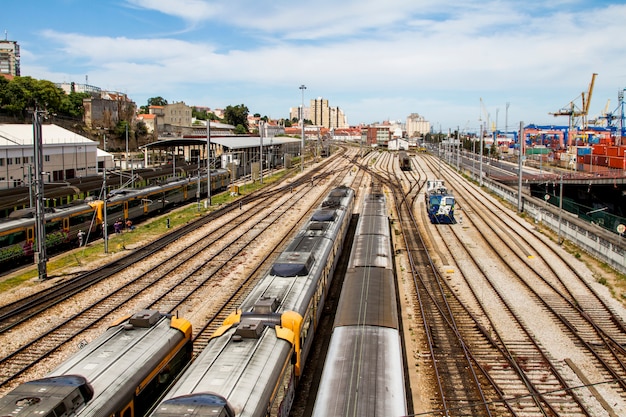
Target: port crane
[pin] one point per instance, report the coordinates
(614, 120)
(574, 112)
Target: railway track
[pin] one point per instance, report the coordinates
(515, 276)
(181, 285)
(457, 382)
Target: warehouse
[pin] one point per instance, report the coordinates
(66, 155)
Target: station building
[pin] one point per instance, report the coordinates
(239, 154)
(67, 155)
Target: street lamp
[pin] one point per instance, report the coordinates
(302, 88)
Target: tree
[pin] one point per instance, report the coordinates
(120, 129)
(72, 104)
(142, 129)
(200, 115)
(237, 115)
(241, 129)
(23, 93)
(157, 101)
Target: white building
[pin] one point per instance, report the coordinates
(9, 58)
(66, 154)
(416, 125)
(398, 143)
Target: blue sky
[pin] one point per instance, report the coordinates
(377, 60)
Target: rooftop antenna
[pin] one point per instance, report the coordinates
(6, 35)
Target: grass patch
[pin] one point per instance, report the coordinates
(144, 232)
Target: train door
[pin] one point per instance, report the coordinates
(126, 210)
(30, 234)
(66, 224)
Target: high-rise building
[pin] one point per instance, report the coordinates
(9, 58)
(294, 113)
(320, 112)
(416, 125)
(338, 119)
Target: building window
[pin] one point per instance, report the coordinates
(1, 162)
(46, 158)
(18, 160)
(9, 161)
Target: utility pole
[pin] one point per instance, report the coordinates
(208, 161)
(302, 88)
(261, 150)
(520, 172)
(40, 233)
(480, 163)
(198, 191)
(105, 224)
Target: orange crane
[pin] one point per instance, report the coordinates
(573, 112)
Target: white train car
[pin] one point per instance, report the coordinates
(363, 371)
(252, 364)
(122, 373)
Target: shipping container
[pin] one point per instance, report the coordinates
(583, 150)
(617, 162)
(599, 149)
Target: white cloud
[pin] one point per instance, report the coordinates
(397, 57)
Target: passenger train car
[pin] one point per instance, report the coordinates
(363, 371)
(440, 202)
(405, 161)
(17, 233)
(63, 192)
(120, 374)
(253, 362)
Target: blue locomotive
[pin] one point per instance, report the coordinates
(439, 203)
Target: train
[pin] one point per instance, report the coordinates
(64, 192)
(440, 202)
(363, 373)
(122, 373)
(17, 232)
(253, 362)
(405, 161)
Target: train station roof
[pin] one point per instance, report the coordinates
(22, 135)
(227, 142)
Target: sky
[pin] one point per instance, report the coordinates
(459, 64)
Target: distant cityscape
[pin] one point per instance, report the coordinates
(104, 109)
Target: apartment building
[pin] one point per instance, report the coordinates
(416, 125)
(9, 58)
(320, 112)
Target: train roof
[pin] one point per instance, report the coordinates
(241, 370)
(123, 357)
(369, 386)
(371, 287)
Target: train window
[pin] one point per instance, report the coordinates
(79, 220)
(134, 203)
(116, 210)
(53, 226)
(60, 410)
(12, 238)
